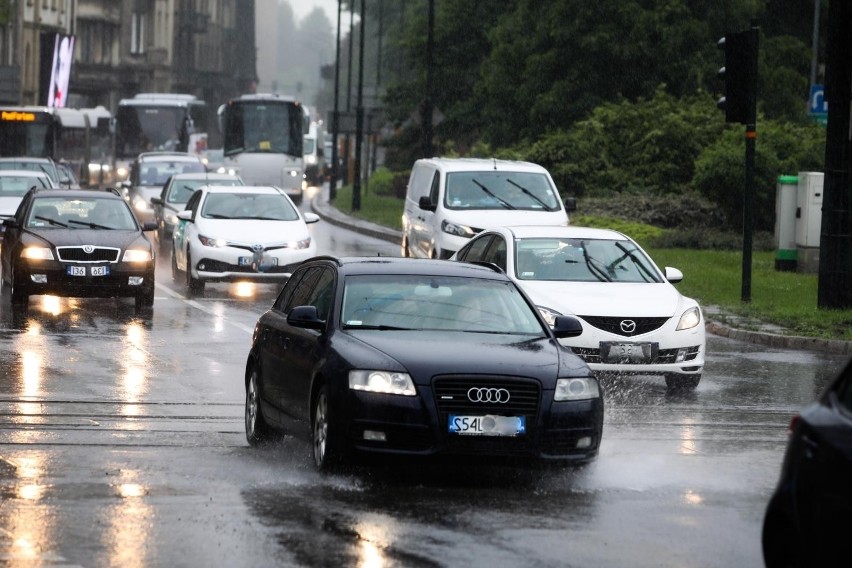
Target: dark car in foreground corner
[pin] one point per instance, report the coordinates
(78, 243)
(809, 517)
(418, 357)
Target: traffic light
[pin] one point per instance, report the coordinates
(740, 76)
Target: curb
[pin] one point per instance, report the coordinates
(328, 213)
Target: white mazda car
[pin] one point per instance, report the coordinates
(239, 233)
(634, 320)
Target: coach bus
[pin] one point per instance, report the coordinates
(262, 141)
(80, 138)
(159, 122)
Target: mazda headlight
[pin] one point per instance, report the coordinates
(387, 382)
(548, 315)
(137, 255)
(457, 230)
(689, 319)
(576, 389)
(37, 253)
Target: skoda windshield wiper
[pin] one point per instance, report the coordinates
(531, 194)
(51, 221)
(89, 224)
(503, 202)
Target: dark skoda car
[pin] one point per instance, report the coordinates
(79, 243)
(418, 357)
(809, 518)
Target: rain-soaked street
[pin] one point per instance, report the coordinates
(122, 444)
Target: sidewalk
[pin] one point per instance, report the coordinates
(718, 322)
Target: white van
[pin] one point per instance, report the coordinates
(449, 200)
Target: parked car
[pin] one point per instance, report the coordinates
(67, 176)
(233, 233)
(408, 357)
(635, 321)
(449, 200)
(172, 199)
(14, 184)
(44, 165)
(79, 243)
(809, 516)
(150, 172)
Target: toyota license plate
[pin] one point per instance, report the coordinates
(265, 262)
(488, 425)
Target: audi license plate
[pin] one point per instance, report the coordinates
(488, 425)
(93, 271)
(612, 352)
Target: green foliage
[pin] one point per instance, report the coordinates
(381, 182)
(686, 210)
(639, 232)
(781, 148)
(382, 209)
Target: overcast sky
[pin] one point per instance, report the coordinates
(302, 8)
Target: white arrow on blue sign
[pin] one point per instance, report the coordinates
(817, 105)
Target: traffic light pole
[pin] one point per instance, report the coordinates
(748, 210)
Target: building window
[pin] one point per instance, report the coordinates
(137, 33)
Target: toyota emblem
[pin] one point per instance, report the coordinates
(628, 326)
(488, 394)
(88, 249)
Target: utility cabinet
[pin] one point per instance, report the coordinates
(786, 193)
(808, 220)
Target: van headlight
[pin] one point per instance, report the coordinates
(457, 230)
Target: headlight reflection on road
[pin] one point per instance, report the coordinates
(135, 362)
(243, 289)
(126, 536)
(374, 540)
(688, 438)
(51, 305)
(27, 522)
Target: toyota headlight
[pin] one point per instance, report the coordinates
(689, 319)
(303, 244)
(37, 253)
(576, 389)
(209, 242)
(457, 230)
(387, 382)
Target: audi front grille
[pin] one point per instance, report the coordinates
(451, 396)
(87, 254)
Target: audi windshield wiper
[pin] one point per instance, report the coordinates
(503, 202)
(377, 327)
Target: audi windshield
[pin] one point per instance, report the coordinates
(408, 302)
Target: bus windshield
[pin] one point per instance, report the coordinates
(26, 133)
(263, 126)
(156, 127)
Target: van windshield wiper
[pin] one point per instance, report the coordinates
(531, 195)
(502, 201)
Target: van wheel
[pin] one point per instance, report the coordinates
(405, 252)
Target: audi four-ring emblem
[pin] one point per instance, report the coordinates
(487, 394)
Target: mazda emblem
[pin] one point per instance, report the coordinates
(88, 249)
(500, 396)
(628, 326)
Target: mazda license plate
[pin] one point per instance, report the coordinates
(615, 352)
(488, 425)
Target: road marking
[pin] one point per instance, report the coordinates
(202, 308)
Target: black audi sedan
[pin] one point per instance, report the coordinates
(809, 517)
(78, 243)
(417, 357)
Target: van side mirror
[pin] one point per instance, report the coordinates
(426, 203)
(570, 204)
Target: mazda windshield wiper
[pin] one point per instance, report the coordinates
(503, 202)
(531, 195)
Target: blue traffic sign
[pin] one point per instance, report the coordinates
(817, 105)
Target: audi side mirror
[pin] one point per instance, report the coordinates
(567, 326)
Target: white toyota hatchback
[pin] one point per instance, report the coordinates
(239, 233)
(635, 320)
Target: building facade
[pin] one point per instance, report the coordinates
(123, 47)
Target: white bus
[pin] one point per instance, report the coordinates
(151, 122)
(262, 141)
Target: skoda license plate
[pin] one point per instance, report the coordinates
(100, 271)
(76, 271)
(488, 425)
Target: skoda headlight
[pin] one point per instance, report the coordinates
(548, 315)
(37, 253)
(689, 319)
(387, 382)
(136, 255)
(576, 389)
(457, 230)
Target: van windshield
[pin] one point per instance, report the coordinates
(525, 191)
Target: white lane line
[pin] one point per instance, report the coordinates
(202, 307)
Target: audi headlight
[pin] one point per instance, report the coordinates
(689, 319)
(208, 242)
(457, 230)
(548, 315)
(387, 382)
(576, 389)
(137, 255)
(37, 253)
